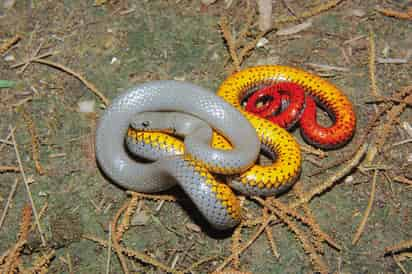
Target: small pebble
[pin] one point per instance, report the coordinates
(179, 78)
(215, 56)
(357, 12)
(43, 194)
(114, 60)
(86, 106)
(262, 42)
(193, 227)
(349, 179)
(9, 58)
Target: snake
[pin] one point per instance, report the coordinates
(190, 163)
(291, 81)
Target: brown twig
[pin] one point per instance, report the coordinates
(109, 251)
(399, 247)
(318, 263)
(36, 217)
(310, 222)
(333, 179)
(124, 225)
(5, 141)
(269, 235)
(316, 228)
(385, 99)
(135, 254)
(9, 199)
(236, 239)
(115, 243)
(403, 180)
(372, 63)
(9, 43)
(245, 246)
(309, 13)
(246, 50)
(167, 198)
(34, 143)
(247, 26)
(198, 263)
(311, 150)
(9, 169)
(41, 264)
(367, 211)
(224, 26)
(393, 114)
(11, 259)
(397, 14)
(75, 74)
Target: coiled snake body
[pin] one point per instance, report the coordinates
(328, 96)
(235, 141)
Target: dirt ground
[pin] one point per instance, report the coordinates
(118, 44)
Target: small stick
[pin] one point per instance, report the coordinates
(9, 43)
(47, 54)
(116, 245)
(333, 179)
(265, 14)
(245, 246)
(399, 247)
(236, 239)
(230, 42)
(36, 52)
(393, 13)
(309, 13)
(379, 98)
(367, 211)
(372, 62)
(135, 254)
(165, 197)
(327, 67)
(403, 180)
(200, 262)
(315, 151)
(6, 140)
(109, 251)
(9, 199)
(9, 168)
(307, 245)
(78, 76)
(34, 143)
(395, 258)
(269, 235)
(23, 174)
(291, 11)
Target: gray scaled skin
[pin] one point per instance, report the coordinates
(191, 180)
(185, 125)
(178, 96)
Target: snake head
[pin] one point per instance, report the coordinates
(151, 122)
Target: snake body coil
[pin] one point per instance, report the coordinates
(214, 201)
(190, 164)
(326, 94)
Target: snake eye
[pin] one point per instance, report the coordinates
(146, 123)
